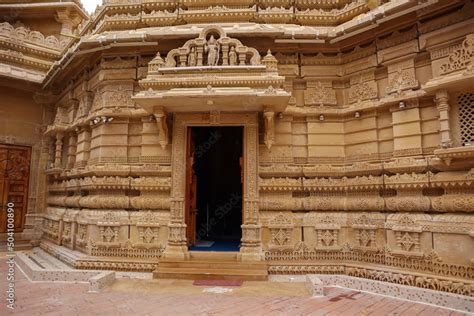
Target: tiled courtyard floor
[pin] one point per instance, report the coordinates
(152, 297)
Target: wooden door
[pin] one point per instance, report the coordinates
(191, 187)
(14, 174)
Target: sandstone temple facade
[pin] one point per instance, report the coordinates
(328, 137)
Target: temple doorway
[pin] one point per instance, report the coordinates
(214, 188)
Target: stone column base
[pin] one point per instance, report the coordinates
(176, 247)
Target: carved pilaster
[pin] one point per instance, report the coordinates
(59, 148)
(71, 153)
(442, 104)
(83, 146)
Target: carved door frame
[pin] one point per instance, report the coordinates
(251, 246)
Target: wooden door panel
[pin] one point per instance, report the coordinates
(14, 174)
(3, 214)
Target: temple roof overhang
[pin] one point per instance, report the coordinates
(226, 99)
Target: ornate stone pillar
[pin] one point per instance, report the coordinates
(176, 247)
(442, 104)
(251, 247)
(59, 149)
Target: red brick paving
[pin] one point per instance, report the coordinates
(73, 299)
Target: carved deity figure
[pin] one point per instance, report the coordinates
(192, 57)
(232, 56)
(212, 50)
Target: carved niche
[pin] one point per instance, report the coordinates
(148, 230)
(81, 235)
(109, 227)
(327, 234)
(407, 230)
(281, 231)
(365, 232)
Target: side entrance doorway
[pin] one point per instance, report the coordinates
(214, 178)
(14, 175)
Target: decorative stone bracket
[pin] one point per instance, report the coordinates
(269, 138)
(163, 136)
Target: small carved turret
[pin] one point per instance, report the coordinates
(270, 62)
(156, 63)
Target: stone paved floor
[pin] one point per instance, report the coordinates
(182, 298)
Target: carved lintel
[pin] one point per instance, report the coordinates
(215, 117)
(269, 139)
(162, 128)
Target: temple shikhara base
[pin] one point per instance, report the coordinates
(318, 151)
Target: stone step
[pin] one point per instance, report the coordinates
(214, 255)
(40, 263)
(210, 264)
(62, 253)
(213, 274)
(51, 260)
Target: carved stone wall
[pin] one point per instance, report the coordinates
(367, 170)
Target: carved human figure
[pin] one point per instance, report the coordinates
(192, 57)
(232, 56)
(212, 50)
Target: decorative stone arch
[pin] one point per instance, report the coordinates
(180, 56)
(251, 248)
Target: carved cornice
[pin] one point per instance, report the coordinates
(331, 17)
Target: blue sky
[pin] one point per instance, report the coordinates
(90, 5)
